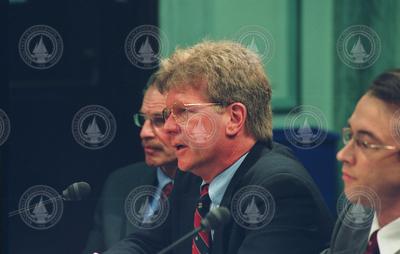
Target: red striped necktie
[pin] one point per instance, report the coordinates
(202, 240)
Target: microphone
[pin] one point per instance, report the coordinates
(213, 220)
(74, 192)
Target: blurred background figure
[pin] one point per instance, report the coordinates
(158, 169)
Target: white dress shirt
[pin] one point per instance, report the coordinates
(388, 236)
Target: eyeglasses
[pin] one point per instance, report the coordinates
(180, 111)
(156, 120)
(347, 135)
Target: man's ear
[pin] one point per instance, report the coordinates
(237, 114)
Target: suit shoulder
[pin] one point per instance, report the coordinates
(279, 159)
(128, 177)
(278, 167)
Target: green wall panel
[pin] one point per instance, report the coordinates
(187, 22)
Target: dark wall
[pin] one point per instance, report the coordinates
(41, 149)
(3, 105)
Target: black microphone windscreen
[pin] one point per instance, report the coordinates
(77, 191)
(216, 218)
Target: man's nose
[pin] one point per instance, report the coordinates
(170, 126)
(147, 130)
(346, 154)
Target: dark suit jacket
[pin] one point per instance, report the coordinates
(110, 222)
(301, 223)
(348, 240)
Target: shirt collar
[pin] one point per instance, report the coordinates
(162, 179)
(220, 183)
(388, 236)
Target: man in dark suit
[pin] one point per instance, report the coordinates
(110, 221)
(370, 220)
(219, 120)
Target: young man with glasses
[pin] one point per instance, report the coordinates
(158, 170)
(371, 173)
(219, 120)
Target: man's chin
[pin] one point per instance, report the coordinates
(151, 163)
(183, 166)
(360, 194)
(350, 191)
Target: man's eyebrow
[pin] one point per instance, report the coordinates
(152, 114)
(365, 133)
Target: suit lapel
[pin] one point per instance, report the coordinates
(147, 178)
(355, 241)
(349, 239)
(252, 157)
(254, 154)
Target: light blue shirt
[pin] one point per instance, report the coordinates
(220, 183)
(162, 179)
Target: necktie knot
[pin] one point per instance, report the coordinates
(204, 190)
(204, 201)
(168, 189)
(373, 247)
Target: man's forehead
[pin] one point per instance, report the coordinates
(369, 110)
(371, 117)
(184, 93)
(153, 101)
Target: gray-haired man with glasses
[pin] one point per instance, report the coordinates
(158, 170)
(370, 222)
